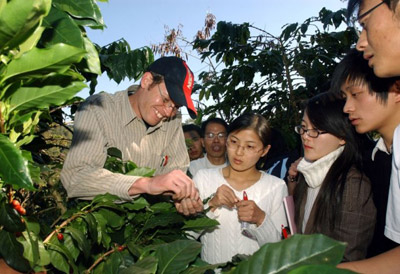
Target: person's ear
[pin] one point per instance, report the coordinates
(265, 150)
(147, 80)
(342, 142)
(202, 142)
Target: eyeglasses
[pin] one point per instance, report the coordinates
(248, 149)
(212, 135)
(167, 102)
(359, 27)
(313, 133)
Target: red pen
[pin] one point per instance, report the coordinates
(244, 225)
(284, 232)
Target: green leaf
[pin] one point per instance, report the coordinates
(84, 9)
(31, 246)
(319, 269)
(142, 171)
(200, 223)
(163, 220)
(147, 265)
(19, 19)
(61, 28)
(66, 257)
(92, 225)
(59, 261)
(136, 204)
(13, 168)
(59, 58)
(296, 251)
(44, 97)
(10, 219)
(11, 251)
(80, 239)
(112, 263)
(102, 235)
(104, 198)
(113, 219)
(69, 244)
(175, 257)
(91, 58)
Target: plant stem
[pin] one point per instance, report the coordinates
(66, 222)
(99, 260)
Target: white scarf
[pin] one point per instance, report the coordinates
(315, 172)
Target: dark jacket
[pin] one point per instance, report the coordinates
(356, 221)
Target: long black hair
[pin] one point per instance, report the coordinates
(325, 112)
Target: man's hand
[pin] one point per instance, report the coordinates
(224, 197)
(189, 206)
(176, 183)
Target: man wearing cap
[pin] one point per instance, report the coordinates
(144, 124)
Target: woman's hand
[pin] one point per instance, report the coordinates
(223, 197)
(248, 211)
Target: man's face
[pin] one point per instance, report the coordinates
(366, 111)
(154, 104)
(195, 148)
(215, 146)
(380, 38)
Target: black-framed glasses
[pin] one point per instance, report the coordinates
(167, 102)
(212, 135)
(248, 149)
(311, 132)
(357, 25)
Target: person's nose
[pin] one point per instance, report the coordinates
(239, 150)
(362, 42)
(348, 106)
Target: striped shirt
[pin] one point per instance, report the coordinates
(108, 120)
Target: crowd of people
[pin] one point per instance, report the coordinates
(345, 185)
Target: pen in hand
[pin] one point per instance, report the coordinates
(244, 225)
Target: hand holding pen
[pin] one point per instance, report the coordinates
(248, 211)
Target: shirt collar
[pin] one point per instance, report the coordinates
(380, 145)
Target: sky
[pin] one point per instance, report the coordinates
(142, 23)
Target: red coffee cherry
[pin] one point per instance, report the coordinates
(60, 236)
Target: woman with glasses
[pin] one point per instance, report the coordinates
(332, 196)
(247, 202)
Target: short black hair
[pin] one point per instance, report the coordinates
(354, 68)
(192, 127)
(214, 120)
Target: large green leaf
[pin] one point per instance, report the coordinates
(36, 62)
(84, 9)
(40, 98)
(80, 239)
(11, 251)
(296, 251)
(200, 223)
(61, 29)
(13, 168)
(147, 265)
(319, 269)
(19, 19)
(175, 257)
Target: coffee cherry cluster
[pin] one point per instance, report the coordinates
(17, 206)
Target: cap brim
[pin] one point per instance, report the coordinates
(181, 97)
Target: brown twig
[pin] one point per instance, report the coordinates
(99, 260)
(66, 222)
